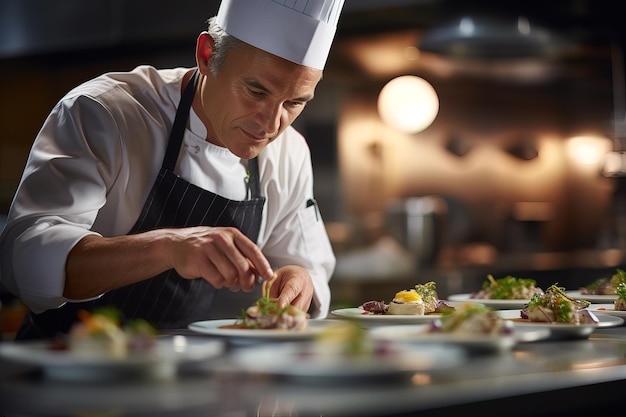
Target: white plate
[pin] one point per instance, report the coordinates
(472, 342)
(303, 362)
(214, 328)
(592, 298)
(161, 363)
(607, 309)
(357, 313)
(564, 330)
(494, 304)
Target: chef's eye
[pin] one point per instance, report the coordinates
(295, 104)
(256, 93)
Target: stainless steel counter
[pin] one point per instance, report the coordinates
(546, 378)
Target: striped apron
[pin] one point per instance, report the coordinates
(167, 300)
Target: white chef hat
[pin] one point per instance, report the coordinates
(300, 31)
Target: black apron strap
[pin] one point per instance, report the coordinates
(180, 123)
(253, 182)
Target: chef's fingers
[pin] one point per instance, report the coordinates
(255, 256)
(293, 286)
(237, 259)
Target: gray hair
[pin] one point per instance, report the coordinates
(224, 43)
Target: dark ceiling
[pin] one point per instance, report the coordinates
(31, 27)
(584, 20)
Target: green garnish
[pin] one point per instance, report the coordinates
(508, 288)
(620, 290)
(562, 305)
(451, 319)
(596, 284)
(618, 277)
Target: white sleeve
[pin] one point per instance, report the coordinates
(57, 201)
(296, 234)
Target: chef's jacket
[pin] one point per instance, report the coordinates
(93, 164)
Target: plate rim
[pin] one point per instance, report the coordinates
(609, 309)
(466, 297)
(38, 353)
(343, 313)
(472, 341)
(337, 369)
(312, 329)
(590, 297)
(606, 320)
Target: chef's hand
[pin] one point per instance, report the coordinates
(293, 285)
(223, 256)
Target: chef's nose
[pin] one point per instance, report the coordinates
(271, 117)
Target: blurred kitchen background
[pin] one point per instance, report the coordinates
(513, 166)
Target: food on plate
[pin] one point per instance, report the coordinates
(266, 313)
(420, 300)
(507, 288)
(557, 307)
(428, 292)
(620, 303)
(471, 318)
(407, 302)
(374, 307)
(343, 339)
(103, 332)
(605, 286)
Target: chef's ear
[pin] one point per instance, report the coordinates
(204, 50)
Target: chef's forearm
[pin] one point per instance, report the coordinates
(98, 264)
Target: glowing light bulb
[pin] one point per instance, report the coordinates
(408, 103)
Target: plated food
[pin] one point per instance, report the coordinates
(418, 301)
(471, 318)
(227, 329)
(472, 326)
(266, 313)
(344, 351)
(161, 362)
(555, 306)
(304, 363)
(562, 331)
(565, 316)
(508, 292)
(105, 333)
(605, 286)
(507, 288)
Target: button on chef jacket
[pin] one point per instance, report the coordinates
(74, 185)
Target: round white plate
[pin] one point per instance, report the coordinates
(357, 313)
(304, 362)
(564, 330)
(214, 328)
(160, 363)
(472, 342)
(592, 298)
(607, 309)
(494, 304)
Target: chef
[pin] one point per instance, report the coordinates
(172, 193)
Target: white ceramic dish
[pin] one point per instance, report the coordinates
(358, 314)
(215, 328)
(493, 304)
(601, 299)
(161, 363)
(303, 362)
(564, 330)
(472, 342)
(607, 309)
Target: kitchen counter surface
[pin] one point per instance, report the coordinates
(544, 378)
